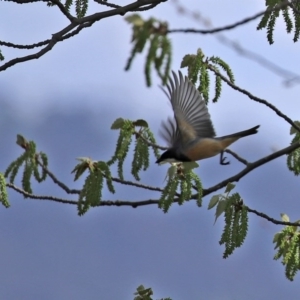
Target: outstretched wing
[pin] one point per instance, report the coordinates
(190, 112)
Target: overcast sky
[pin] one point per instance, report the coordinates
(66, 102)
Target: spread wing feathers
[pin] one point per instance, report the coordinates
(169, 132)
(190, 111)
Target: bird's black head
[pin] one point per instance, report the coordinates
(172, 155)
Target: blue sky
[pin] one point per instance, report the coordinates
(66, 102)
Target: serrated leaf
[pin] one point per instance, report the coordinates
(285, 217)
(135, 19)
(86, 163)
(187, 60)
(117, 124)
(213, 201)
(294, 130)
(83, 159)
(220, 209)
(230, 186)
(140, 288)
(141, 123)
(171, 172)
(79, 170)
(276, 236)
(21, 141)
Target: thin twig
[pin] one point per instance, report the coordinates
(107, 4)
(237, 157)
(257, 99)
(40, 197)
(136, 184)
(149, 143)
(58, 182)
(272, 220)
(234, 25)
(218, 29)
(63, 10)
(31, 46)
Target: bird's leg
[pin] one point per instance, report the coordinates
(222, 159)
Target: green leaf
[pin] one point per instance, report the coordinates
(271, 2)
(141, 123)
(213, 201)
(276, 237)
(171, 172)
(117, 124)
(21, 141)
(3, 191)
(294, 130)
(187, 60)
(140, 288)
(285, 217)
(190, 165)
(230, 186)
(86, 163)
(135, 19)
(220, 209)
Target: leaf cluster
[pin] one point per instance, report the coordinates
(91, 192)
(180, 175)
(152, 32)
(81, 6)
(143, 293)
(287, 243)
(3, 192)
(143, 138)
(293, 159)
(29, 160)
(198, 68)
(236, 219)
(274, 7)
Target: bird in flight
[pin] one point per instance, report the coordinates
(192, 137)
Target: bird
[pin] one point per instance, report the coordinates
(190, 134)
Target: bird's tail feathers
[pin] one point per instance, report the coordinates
(241, 134)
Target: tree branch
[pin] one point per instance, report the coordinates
(237, 157)
(149, 143)
(40, 197)
(18, 46)
(272, 220)
(107, 4)
(69, 31)
(218, 29)
(74, 191)
(289, 77)
(71, 18)
(136, 184)
(132, 204)
(234, 25)
(58, 182)
(135, 204)
(250, 167)
(262, 101)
